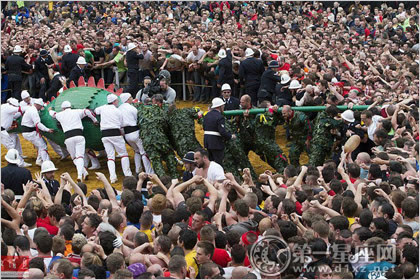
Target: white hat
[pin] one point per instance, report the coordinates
(24, 94)
(111, 98)
(39, 101)
(222, 53)
(348, 115)
(47, 166)
(249, 52)
(13, 101)
(217, 102)
(131, 46)
(285, 78)
(67, 48)
(81, 60)
(334, 80)
(12, 156)
(295, 84)
(65, 104)
(226, 87)
(17, 49)
(124, 97)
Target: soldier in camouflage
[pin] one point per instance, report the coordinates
(182, 129)
(325, 130)
(265, 133)
(154, 130)
(246, 125)
(300, 131)
(235, 158)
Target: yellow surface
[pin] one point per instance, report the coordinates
(68, 166)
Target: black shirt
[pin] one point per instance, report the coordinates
(13, 177)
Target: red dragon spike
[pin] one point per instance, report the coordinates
(81, 82)
(101, 83)
(52, 98)
(65, 88)
(110, 88)
(91, 82)
(119, 91)
(72, 84)
(58, 93)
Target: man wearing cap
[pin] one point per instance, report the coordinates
(190, 166)
(269, 80)
(42, 64)
(27, 100)
(12, 176)
(250, 71)
(111, 125)
(225, 68)
(131, 133)
(68, 61)
(71, 123)
(31, 124)
(10, 111)
(132, 59)
(14, 66)
(47, 172)
(78, 71)
(232, 103)
(349, 129)
(215, 132)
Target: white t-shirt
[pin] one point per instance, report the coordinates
(372, 128)
(215, 172)
(193, 58)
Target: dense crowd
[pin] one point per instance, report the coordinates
(351, 212)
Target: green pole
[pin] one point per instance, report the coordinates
(303, 109)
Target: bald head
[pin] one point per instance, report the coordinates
(33, 273)
(245, 101)
(239, 272)
(363, 158)
(155, 269)
(286, 111)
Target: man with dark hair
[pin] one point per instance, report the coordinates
(133, 212)
(90, 223)
(410, 209)
(187, 240)
(338, 223)
(209, 270)
(205, 252)
(318, 254)
(238, 253)
(67, 232)
(43, 242)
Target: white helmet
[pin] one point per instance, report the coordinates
(217, 102)
(17, 49)
(348, 115)
(65, 104)
(47, 166)
(38, 101)
(81, 60)
(24, 94)
(285, 78)
(124, 97)
(67, 49)
(222, 53)
(249, 52)
(226, 87)
(13, 101)
(111, 98)
(131, 46)
(295, 84)
(12, 156)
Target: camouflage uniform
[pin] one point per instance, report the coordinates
(299, 127)
(153, 132)
(266, 147)
(322, 139)
(247, 133)
(182, 130)
(235, 158)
